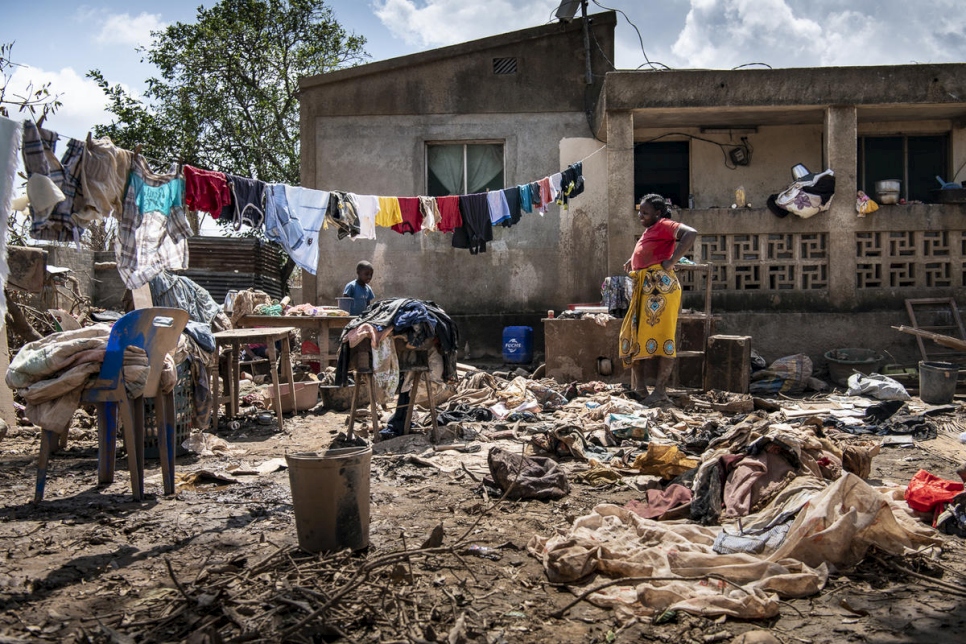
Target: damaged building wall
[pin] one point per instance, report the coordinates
(366, 130)
(523, 268)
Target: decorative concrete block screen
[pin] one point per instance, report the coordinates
(896, 253)
(767, 261)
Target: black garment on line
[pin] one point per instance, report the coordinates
(513, 202)
(477, 229)
(248, 202)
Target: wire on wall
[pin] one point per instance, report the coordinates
(735, 154)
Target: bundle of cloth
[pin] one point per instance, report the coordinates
(805, 197)
(422, 324)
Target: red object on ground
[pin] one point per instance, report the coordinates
(927, 491)
(311, 348)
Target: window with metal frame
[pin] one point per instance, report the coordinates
(913, 160)
(464, 168)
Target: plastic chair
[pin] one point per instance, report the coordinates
(156, 331)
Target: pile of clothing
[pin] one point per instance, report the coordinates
(419, 324)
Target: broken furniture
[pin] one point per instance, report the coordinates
(939, 317)
(232, 340)
(156, 331)
(319, 326)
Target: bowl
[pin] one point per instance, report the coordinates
(888, 185)
(887, 198)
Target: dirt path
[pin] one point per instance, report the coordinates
(90, 565)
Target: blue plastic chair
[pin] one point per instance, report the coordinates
(156, 331)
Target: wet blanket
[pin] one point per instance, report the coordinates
(832, 532)
(526, 477)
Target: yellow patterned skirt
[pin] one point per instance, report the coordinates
(652, 319)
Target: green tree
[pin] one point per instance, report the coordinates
(227, 95)
(33, 100)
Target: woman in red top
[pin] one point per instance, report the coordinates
(651, 322)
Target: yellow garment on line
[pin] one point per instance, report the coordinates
(389, 213)
(651, 322)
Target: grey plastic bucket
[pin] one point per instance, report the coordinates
(937, 382)
(330, 493)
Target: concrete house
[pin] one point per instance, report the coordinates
(517, 107)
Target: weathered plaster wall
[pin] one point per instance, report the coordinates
(775, 150)
(540, 263)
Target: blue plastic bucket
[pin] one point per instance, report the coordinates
(518, 344)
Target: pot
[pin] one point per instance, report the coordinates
(888, 185)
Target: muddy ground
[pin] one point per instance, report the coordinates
(219, 561)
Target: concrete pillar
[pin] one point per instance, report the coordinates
(622, 225)
(840, 155)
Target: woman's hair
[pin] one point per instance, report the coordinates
(659, 204)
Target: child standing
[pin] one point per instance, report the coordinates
(359, 290)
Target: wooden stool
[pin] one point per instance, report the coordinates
(360, 364)
(417, 376)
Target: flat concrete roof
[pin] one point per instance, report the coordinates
(786, 96)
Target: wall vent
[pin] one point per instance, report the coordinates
(504, 65)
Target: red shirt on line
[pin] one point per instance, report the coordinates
(656, 244)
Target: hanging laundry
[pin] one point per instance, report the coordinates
(308, 206)
(368, 207)
(104, 174)
(388, 214)
(343, 214)
(152, 229)
(496, 203)
(544, 186)
(248, 201)
(449, 213)
(430, 211)
(476, 229)
(555, 186)
(206, 191)
(526, 197)
(512, 198)
(571, 184)
(412, 218)
(52, 184)
(281, 226)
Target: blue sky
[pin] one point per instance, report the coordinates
(60, 41)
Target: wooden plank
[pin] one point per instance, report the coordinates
(7, 411)
(944, 340)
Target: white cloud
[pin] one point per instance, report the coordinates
(82, 100)
(808, 33)
(125, 29)
(437, 23)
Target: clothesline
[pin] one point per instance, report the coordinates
(95, 179)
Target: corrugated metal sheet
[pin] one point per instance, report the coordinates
(221, 264)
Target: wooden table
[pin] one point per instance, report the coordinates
(233, 340)
(319, 325)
